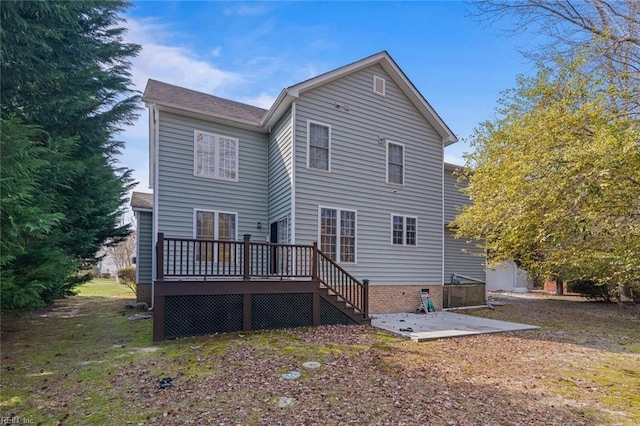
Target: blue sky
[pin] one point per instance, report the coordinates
(250, 51)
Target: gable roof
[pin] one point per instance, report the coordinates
(141, 201)
(191, 100)
(184, 99)
(389, 65)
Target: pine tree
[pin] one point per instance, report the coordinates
(65, 76)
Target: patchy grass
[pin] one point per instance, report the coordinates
(102, 287)
(83, 362)
(68, 348)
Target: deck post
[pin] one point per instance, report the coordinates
(365, 298)
(158, 318)
(246, 273)
(246, 312)
(316, 308)
(314, 261)
(160, 257)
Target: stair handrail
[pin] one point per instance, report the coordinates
(356, 295)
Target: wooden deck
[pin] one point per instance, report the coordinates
(206, 286)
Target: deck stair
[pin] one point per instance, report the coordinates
(209, 286)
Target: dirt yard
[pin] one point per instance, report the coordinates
(84, 362)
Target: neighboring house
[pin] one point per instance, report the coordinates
(106, 265)
(142, 206)
(464, 262)
(508, 277)
(351, 159)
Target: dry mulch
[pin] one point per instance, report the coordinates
(581, 367)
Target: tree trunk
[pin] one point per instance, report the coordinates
(559, 287)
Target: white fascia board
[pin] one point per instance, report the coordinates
(387, 63)
(452, 167)
(291, 94)
(338, 73)
(152, 152)
(139, 209)
(280, 106)
(448, 137)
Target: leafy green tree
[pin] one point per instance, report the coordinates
(65, 77)
(555, 179)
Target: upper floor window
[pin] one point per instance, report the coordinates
(215, 156)
(395, 163)
(338, 234)
(318, 146)
(404, 230)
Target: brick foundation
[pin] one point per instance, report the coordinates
(550, 287)
(388, 299)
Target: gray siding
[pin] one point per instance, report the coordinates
(358, 177)
(280, 169)
(145, 247)
(462, 258)
(179, 192)
(454, 199)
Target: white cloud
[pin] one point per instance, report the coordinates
(454, 159)
(173, 64)
(142, 177)
(263, 100)
(245, 10)
(162, 58)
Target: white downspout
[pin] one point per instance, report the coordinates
(293, 173)
(442, 213)
(156, 155)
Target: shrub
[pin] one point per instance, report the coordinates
(127, 277)
(593, 290)
(105, 275)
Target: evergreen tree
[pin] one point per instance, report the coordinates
(65, 94)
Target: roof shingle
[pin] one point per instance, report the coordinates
(168, 94)
(141, 200)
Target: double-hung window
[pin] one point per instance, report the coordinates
(215, 156)
(318, 146)
(219, 226)
(404, 230)
(338, 234)
(395, 163)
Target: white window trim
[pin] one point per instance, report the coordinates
(404, 230)
(404, 163)
(338, 235)
(309, 122)
(384, 85)
(216, 213)
(195, 155)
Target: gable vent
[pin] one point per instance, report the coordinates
(378, 85)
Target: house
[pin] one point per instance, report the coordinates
(329, 203)
(142, 206)
(464, 263)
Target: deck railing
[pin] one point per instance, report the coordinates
(185, 258)
(340, 282)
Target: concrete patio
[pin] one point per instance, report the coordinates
(442, 324)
